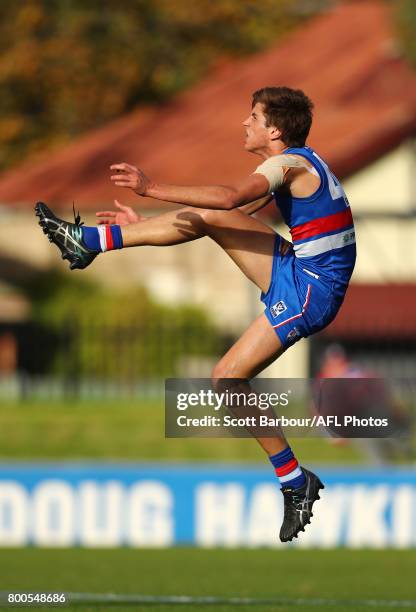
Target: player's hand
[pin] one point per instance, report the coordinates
(123, 216)
(131, 177)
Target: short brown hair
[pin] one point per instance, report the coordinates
(290, 110)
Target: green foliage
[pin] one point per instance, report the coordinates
(405, 17)
(67, 66)
(117, 336)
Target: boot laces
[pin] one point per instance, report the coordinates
(77, 217)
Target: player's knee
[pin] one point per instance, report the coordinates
(213, 217)
(202, 218)
(195, 217)
(222, 372)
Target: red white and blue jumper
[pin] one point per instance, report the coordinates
(308, 284)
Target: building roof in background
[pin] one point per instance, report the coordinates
(346, 60)
(376, 311)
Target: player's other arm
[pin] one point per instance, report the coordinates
(220, 197)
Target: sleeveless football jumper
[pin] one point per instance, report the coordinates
(308, 284)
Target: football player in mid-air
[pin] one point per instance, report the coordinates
(303, 283)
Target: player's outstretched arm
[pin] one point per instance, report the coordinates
(125, 215)
(220, 197)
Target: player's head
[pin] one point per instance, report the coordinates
(278, 113)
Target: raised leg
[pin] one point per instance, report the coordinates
(248, 241)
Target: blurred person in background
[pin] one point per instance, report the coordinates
(302, 283)
(365, 395)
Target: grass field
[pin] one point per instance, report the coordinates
(341, 575)
(128, 430)
(295, 580)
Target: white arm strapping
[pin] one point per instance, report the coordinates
(272, 169)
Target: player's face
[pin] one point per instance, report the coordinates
(257, 134)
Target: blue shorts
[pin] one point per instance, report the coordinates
(297, 303)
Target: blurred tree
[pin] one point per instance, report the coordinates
(82, 330)
(405, 17)
(67, 66)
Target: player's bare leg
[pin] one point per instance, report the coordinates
(255, 350)
(248, 241)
